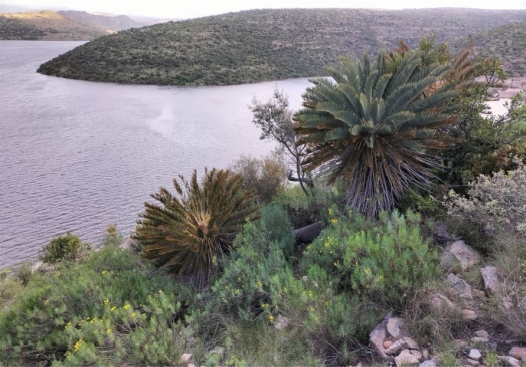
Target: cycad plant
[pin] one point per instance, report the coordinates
(190, 231)
(374, 127)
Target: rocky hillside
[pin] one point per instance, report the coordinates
(259, 45)
(109, 24)
(45, 25)
(507, 42)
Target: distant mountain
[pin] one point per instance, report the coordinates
(258, 45)
(107, 23)
(44, 25)
(507, 42)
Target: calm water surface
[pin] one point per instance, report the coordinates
(77, 156)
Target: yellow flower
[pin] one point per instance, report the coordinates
(108, 331)
(126, 306)
(271, 318)
(106, 301)
(310, 294)
(103, 272)
(259, 284)
(68, 325)
(133, 314)
(113, 308)
(77, 345)
(334, 220)
(160, 291)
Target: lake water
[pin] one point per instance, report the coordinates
(77, 156)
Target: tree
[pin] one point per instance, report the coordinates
(188, 234)
(274, 118)
(373, 127)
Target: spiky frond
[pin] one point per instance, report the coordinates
(373, 127)
(190, 231)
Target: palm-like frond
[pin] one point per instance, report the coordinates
(189, 232)
(372, 128)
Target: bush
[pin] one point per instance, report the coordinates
(65, 247)
(110, 309)
(496, 204)
(267, 176)
(386, 261)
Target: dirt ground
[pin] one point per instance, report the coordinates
(515, 85)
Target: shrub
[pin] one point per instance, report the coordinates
(267, 176)
(188, 234)
(496, 204)
(113, 237)
(386, 261)
(110, 309)
(65, 247)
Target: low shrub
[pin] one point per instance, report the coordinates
(386, 261)
(64, 247)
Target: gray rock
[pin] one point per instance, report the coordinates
(405, 358)
(186, 358)
(429, 363)
(439, 302)
(395, 327)
(475, 354)
(517, 352)
(459, 286)
(513, 362)
(281, 322)
(473, 362)
(482, 333)
(490, 277)
(377, 337)
(469, 315)
(130, 244)
(405, 342)
(480, 339)
(464, 254)
(460, 344)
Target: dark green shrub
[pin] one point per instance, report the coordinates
(386, 263)
(64, 247)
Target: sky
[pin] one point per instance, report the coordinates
(197, 8)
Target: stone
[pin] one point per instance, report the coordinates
(491, 279)
(186, 358)
(410, 343)
(460, 344)
(396, 346)
(513, 362)
(417, 354)
(480, 339)
(388, 343)
(439, 302)
(473, 362)
(459, 286)
(477, 293)
(190, 365)
(475, 354)
(517, 352)
(464, 254)
(482, 333)
(429, 363)
(405, 357)
(395, 327)
(130, 244)
(469, 315)
(377, 337)
(425, 353)
(281, 322)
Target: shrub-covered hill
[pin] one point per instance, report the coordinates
(259, 45)
(507, 42)
(45, 25)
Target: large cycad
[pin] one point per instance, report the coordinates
(189, 232)
(374, 126)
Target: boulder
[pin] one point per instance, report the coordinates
(490, 277)
(377, 337)
(459, 252)
(459, 286)
(395, 327)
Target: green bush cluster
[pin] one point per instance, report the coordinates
(64, 247)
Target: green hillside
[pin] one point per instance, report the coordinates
(259, 45)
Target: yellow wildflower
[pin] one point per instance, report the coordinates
(160, 291)
(133, 314)
(310, 294)
(77, 345)
(104, 272)
(108, 331)
(271, 318)
(334, 220)
(106, 301)
(126, 306)
(113, 308)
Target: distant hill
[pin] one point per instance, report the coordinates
(507, 42)
(109, 24)
(259, 45)
(45, 25)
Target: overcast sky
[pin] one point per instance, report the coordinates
(196, 8)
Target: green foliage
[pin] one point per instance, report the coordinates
(387, 261)
(110, 309)
(374, 127)
(113, 237)
(258, 45)
(64, 247)
(266, 176)
(188, 234)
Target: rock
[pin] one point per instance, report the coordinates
(477, 293)
(405, 358)
(506, 303)
(417, 354)
(442, 234)
(513, 362)
(281, 322)
(482, 333)
(388, 343)
(475, 354)
(480, 339)
(402, 343)
(490, 277)
(464, 254)
(472, 362)
(429, 363)
(395, 327)
(439, 301)
(460, 344)
(459, 286)
(218, 350)
(130, 244)
(410, 343)
(190, 365)
(469, 315)
(377, 337)
(425, 353)
(186, 358)
(518, 352)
